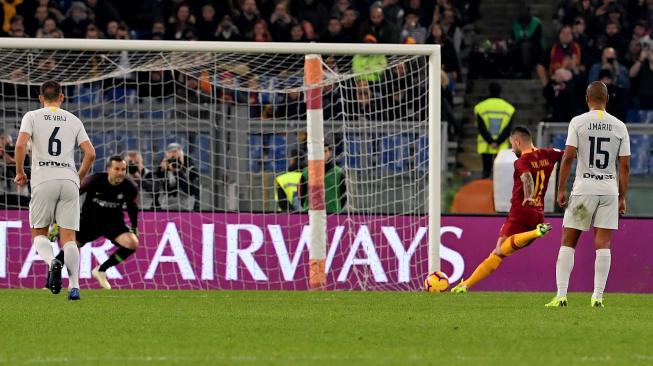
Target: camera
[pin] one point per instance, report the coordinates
(174, 162)
(610, 60)
(132, 168)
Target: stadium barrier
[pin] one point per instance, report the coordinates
(270, 251)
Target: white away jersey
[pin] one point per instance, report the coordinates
(600, 139)
(54, 134)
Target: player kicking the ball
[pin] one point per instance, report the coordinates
(102, 215)
(525, 221)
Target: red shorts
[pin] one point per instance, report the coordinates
(522, 221)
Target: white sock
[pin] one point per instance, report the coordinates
(71, 257)
(601, 270)
(44, 249)
(563, 268)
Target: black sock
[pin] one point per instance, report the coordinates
(118, 256)
(60, 256)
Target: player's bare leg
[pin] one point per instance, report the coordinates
(602, 241)
(44, 249)
(564, 265)
(128, 243)
(71, 259)
(505, 247)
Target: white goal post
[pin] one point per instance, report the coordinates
(79, 61)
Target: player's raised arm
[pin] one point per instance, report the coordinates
(19, 156)
(89, 157)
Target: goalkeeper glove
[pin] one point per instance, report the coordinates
(53, 234)
(134, 230)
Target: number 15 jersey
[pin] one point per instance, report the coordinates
(600, 139)
(54, 133)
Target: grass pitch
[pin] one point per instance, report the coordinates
(323, 328)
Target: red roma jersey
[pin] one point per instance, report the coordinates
(540, 164)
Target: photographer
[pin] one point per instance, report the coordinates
(177, 178)
(609, 62)
(142, 177)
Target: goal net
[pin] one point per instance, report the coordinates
(231, 148)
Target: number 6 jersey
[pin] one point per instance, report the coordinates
(54, 134)
(600, 139)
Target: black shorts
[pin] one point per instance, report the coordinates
(109, 228)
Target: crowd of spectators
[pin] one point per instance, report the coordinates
(606, 40)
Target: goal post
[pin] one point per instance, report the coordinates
(242, 112)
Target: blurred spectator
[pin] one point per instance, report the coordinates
(281, 22)
(415, 7)
(609, 61)
(640, 31)
(494, 119)
(454, 128)
(34, 22)
(379, 27)
(158, 31)
(309, 31)
(334, 33)
(104, 12)
(48, 29)
(617, 96)
(339, 7)
(563, 95)
(451, 28)
(312, 11)
(641, 74)
(564, 53)
(190, 96)
(93, 32)
(412, 28)
(123, 31)
(369, 67)
(247, 18)
(142, 176)
(528, 42)
(227, 30)
(613, 38)
(112, 29)
(293, 107)
(181, 22)
(335, 189)
(261, 32)
(77, 19)
(297, 33)
(587, 49)
(448, 55)
(177, 181)
(350, 26)
(207, 23)
(17, 29)
(156, 85)
(393, 12)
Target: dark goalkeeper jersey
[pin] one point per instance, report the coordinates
(104, 201)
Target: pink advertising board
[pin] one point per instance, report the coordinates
(270, 251)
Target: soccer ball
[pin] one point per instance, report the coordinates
(436, 282)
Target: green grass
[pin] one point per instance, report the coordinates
(327, 328)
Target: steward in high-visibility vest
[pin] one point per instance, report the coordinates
(285, 193)
(494, 119)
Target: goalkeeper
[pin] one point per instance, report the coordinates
(102, 215)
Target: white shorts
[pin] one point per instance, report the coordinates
(598, 211)
(55, 201)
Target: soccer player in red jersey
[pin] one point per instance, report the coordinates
(525, 221)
